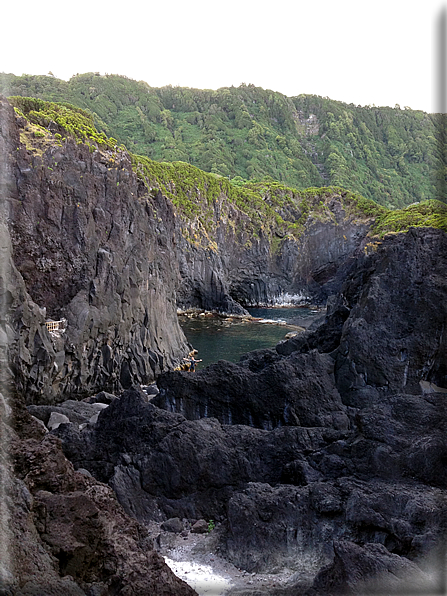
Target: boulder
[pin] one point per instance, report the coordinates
(200, 527)
(174, 524)
(371, 569)
(56, 419)
(77, 412)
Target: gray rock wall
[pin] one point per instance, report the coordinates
(247, 269)
(89, 245)
(395, 336)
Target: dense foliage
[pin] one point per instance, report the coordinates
(61, 119)
(427, 214)
(391, 155)
(268, 207)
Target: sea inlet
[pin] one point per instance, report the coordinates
(227, 338)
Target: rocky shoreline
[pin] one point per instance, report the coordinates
(318, 470)
(322, 460)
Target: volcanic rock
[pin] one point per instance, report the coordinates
(370, 569)
(93, 256)
(326, 455)
(298, 390)
(200, 527)
(172, 525)
(66, 532)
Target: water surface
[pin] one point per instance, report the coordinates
(217, 338)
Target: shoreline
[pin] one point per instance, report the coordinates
(298, 322)
(198, 313)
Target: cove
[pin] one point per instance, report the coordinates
(218, 338)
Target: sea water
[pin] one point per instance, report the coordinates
(218, 338)
(200, 577)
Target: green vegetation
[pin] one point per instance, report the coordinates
(388, 154)
(203, 200)
(391, 155)
(428, 214)
(60, 118)
(194, 192)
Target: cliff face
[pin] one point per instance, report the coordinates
(90, 245)
(239, 267)
(385, 333)
(325, 455)
(363, 464)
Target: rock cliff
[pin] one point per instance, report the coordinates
(247, 266)
(343, 479)
(325, 455)
(87, 244)
(94, 242)
(62, 531)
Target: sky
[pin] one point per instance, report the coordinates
(379, 53)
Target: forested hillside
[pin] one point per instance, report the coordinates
(391, 155)
(272, 208)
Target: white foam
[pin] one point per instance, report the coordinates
(287, 299)
(200, 577)
(273, 321)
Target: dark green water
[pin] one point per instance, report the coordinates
(227, 339)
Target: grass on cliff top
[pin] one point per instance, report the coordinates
(426, 214)
(268, 205)
(62, 119)
(192, 190)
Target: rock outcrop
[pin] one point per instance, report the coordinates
(63, 532)
(102, 249)
(326, 455)
(283, 495)
(264, 391)
(181, 468)
(249, 269)
(88, 244)
(386, 328)
(371, 569)
(94, 246)
(349, 491)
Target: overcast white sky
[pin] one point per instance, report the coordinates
(382, 52)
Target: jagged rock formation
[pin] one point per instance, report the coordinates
(90, 245)
(267, 391)
(371, 569)
(64, 532)
(338, 434)
(376, 331)
(371, 478)
(284, 495)
(95, 244)
(247, 268)
(388, 324)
